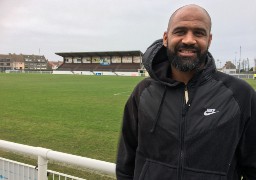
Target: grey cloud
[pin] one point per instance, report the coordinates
(99, 25)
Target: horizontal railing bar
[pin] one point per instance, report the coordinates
(93, 164)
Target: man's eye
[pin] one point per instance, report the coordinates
(179, 32)
(199, 33)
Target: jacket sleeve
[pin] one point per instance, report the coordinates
(247, 153)
(128, 141)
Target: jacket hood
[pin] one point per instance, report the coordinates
(156, 62)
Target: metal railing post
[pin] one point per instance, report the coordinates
(42, 168)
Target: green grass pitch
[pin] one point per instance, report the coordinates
(69, 113)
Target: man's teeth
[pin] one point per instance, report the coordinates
(187, 51)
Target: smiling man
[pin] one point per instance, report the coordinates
(187, 121)
(187, 39)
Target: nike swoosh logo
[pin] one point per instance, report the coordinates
(208, 113)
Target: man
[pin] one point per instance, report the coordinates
(187, 121)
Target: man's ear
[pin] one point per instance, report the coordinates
(165, 38)
(210, 40)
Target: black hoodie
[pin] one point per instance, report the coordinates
(211, 137)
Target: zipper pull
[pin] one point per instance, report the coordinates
(186, 105)
(186, 94)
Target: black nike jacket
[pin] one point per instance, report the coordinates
(211, 137)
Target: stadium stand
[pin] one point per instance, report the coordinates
(111, 61)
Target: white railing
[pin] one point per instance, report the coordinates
(13, 170)
(44, 155)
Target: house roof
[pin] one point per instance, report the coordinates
(100, 54)
(12, 57)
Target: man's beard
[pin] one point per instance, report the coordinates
(186, 64)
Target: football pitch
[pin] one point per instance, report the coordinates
(74, 114)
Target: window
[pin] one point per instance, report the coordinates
(127, 59)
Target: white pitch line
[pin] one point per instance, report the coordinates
(121, 93)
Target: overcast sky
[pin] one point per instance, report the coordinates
(49, 26)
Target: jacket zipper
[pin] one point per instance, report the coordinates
(186, 94)
(182, 133)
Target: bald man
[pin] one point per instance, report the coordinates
(187, 121)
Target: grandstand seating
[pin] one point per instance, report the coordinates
(114, 67)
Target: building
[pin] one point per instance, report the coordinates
(229, 68)
(11, 62)
(54, 64)
(35, 62)
(22, 62)
(228, 71)
(100, 63)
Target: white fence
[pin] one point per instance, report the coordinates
(44, 155)
(98, 73)
(243, 76)
(13, 170)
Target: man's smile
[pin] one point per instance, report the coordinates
(187, 52)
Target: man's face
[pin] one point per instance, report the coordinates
(188, 39)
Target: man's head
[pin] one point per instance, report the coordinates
(188, 37)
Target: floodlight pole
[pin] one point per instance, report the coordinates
(240, 60)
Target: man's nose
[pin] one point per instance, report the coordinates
(189, 39)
